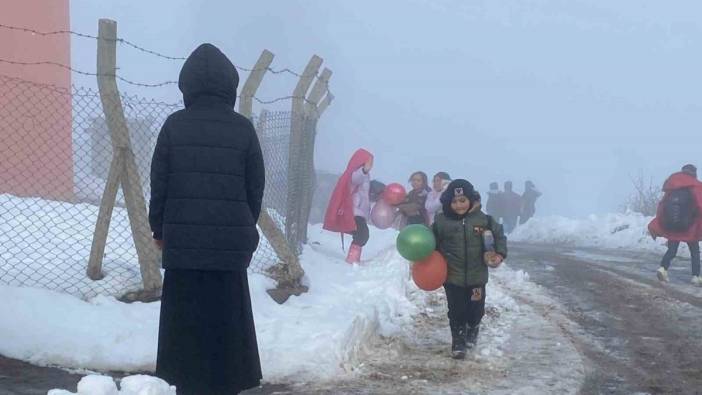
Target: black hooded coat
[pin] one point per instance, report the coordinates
(207, 181)
(207, 173)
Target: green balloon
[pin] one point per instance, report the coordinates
(415, 242)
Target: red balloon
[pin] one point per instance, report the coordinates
(430, 273)
(394, 194)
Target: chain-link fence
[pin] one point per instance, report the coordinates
(55, 155)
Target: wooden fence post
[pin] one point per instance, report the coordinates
(253, 81)
(312, 115)
(296, 167)
(291, 271)
(123, 170)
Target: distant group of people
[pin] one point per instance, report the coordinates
(508, 207)
(420, 206)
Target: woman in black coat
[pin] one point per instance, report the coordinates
(207, 180)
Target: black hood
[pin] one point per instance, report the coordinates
(208, 72)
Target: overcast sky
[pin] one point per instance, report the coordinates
(576, 95)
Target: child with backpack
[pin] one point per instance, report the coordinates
(679, 219)
(460, 231)
(349, 206)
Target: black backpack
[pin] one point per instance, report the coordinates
(679, 210)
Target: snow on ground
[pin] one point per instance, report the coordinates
(419, 354)
(47, 244)
(322, 335)
(49, 328)
(318, 334)
(540, 355)
(627, 231)
(130, 385)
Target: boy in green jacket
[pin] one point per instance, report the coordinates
(459, 238)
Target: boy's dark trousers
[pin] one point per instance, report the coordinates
(673, 251)
(466, 305)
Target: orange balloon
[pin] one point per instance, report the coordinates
(430, 273)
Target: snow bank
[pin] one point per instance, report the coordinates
(131, 385)
(613, 231)
(317, 335)
(49, 328)
(323, 332)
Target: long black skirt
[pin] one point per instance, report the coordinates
(206, 338)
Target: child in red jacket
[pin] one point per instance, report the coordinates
(349, 207)
(679, 219)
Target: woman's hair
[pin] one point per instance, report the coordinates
(423, 175)
(443, 175)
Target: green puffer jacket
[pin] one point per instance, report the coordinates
(460, 242)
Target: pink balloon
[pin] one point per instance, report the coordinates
(383, 215)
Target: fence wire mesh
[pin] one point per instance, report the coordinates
(55, 154)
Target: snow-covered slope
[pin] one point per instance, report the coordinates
(613, 231)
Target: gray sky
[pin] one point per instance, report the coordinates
(576, 95)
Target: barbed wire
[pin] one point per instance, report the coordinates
(129, 99)
(50, 33)
(157, 54)
(149, 51)
(86, 73)
(247, 69)
(238, 67)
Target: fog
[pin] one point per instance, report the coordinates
(575, 95)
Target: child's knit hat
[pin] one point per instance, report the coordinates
(458, 187)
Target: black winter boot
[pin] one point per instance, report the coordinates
(458, 342)
(472, 335)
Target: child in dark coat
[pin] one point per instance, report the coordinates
(459, 238)
(413, 208)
